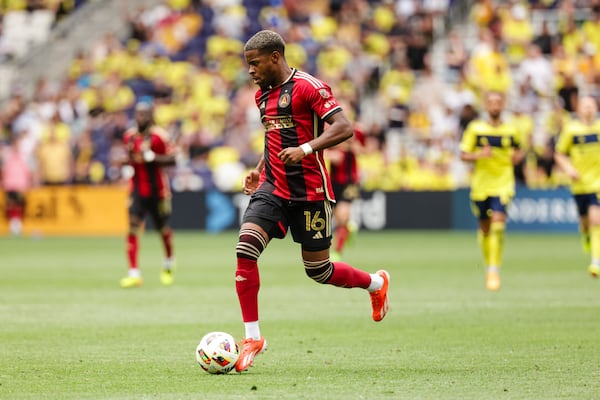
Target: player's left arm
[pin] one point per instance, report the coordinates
(518, 153)
(162, 151)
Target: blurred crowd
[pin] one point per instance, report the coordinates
(27, 23)
(410, 101)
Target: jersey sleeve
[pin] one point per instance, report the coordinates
(161, 143)
(467, 143)
(322, 101)
(563, 144)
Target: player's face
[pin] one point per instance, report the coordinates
(588, 109)
(143, 118)
(494, 103)
(260, 68)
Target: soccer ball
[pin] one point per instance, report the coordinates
(217, 353)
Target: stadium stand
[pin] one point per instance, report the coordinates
(412, 73)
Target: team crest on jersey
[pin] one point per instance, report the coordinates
(284, 100)
(324, 94)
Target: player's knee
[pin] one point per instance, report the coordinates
(319, 271)
(498, 226)
(250, 245)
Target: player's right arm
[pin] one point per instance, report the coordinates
(250, 183)
(562, 149)
(468, 149)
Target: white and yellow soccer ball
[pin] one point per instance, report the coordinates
(217, 353)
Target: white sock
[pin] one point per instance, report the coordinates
(252, 330)
(376, 282)
(169, 262)
(134, 272)
(493, 268)
(16, 226)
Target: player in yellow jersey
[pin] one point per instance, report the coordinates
(578, 155)
(493, 146)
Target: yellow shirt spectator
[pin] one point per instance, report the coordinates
(490, 72)
(323, 28)
(517, 32)
(591, 32)
(384, 18)
(332, 61)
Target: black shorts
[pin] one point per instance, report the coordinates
(346, 192)
(309, 221)
(15, 198)
(159, 209)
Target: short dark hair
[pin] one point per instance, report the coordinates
(266, 41)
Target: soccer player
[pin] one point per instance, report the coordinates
(492, 146)
(149, 150)
(344, 181)
(16, 178)
(578, 155)
(290, 186)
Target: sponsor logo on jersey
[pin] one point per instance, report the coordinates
(275, 122)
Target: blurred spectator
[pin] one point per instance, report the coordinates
(55, 159)
(380, 56)
(456, 56)
(517, 33)
(536, 69)
(17, 177)
(568, 93)
(545, 39)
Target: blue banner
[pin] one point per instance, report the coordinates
(531, 210)
(543, 210)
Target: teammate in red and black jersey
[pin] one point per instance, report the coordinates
(291, 187)
(346, 188)
(149, 150)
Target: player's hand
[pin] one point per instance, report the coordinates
(149, 156)
(291, 155)
(136, 157)
(573, 174)
(486, 151)
(250, 182)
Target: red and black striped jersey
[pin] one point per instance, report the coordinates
(149, 179)
(294, 113)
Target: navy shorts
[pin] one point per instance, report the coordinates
(584, 201)
(309, 221)
(484, 209)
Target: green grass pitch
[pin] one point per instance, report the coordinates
(67, 331)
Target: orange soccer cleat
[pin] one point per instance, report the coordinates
(379, 298)
(492, 280)
(250, 348)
